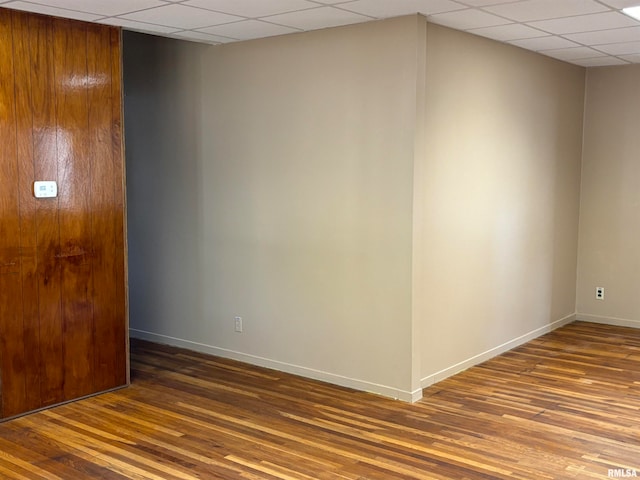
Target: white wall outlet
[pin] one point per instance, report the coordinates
(238, 324)
(600, 293)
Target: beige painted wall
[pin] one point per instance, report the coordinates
(501, 181)
(382, 203)
(609, 253)
(296, 208)
(308, 155)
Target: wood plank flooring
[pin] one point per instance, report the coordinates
(566, 405)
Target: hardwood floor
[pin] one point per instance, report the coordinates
(566, 405)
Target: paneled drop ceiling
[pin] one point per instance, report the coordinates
(584, 32)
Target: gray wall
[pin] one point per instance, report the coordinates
(164, 208)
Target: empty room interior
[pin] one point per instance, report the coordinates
(392, 248)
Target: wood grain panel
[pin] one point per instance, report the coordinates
(74, 173)
(48, 231)
(62, 315)
(562, 406)
(12, 386)
(28, 237)
(103, 206)
(120, 274)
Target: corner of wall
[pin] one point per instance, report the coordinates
(493, 352)
(419, 200)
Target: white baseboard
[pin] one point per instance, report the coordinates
(619, 322)
(362, 385)
(354, 383)
(482, 357)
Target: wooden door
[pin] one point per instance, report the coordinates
(62, 259)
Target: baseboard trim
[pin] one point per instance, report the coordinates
(482, 357)
(328, 377)
(618, 322)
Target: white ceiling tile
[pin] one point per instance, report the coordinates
(531, 10)
(386, 8)
(599, 62)
(53, 11)
(585, 23)
(512, 31)
(620, 4)
(574, 53)
(201, 37)
(138, 26)
(544, 43)
(321, 17)
(466, 19)
(103, 7)
(485, 3)
(181, 16)
(627, 48)
(573, 24)
(632, 58)
(252, 8)
(249, 29)
(618, 35)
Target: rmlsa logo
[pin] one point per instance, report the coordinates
(622, 473)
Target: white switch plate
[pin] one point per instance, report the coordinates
(48, 189)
